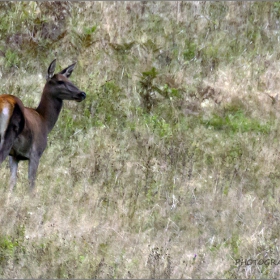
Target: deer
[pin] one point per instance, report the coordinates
(24, 131)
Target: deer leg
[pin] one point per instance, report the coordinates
(32, 170)
(13, 169)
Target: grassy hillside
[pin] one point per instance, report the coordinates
(170, 168)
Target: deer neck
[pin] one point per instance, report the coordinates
(49, 109)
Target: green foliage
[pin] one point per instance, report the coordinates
(7, 248)
(89, 30)
(217, 11)
(12, 59)
(158, 126)
(234, 122)
(276, 8)
(147, 88)
(108, 108)
(87, 39)
(11, 246)
(190, 50)
(234, 243)
(171, 92)
(150, 88)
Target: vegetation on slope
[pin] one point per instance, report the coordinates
(170, 167)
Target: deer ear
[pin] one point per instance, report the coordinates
(51, 69)
(68, 71)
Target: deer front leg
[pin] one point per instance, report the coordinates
(13, 168)
(32, 170)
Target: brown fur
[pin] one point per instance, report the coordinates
(26, 135)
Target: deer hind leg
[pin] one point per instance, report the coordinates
(13, 168)
(32, 170)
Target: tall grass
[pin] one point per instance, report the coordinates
(170, 167)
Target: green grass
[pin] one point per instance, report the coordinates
(236, 122)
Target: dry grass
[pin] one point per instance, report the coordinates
(179, 183)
